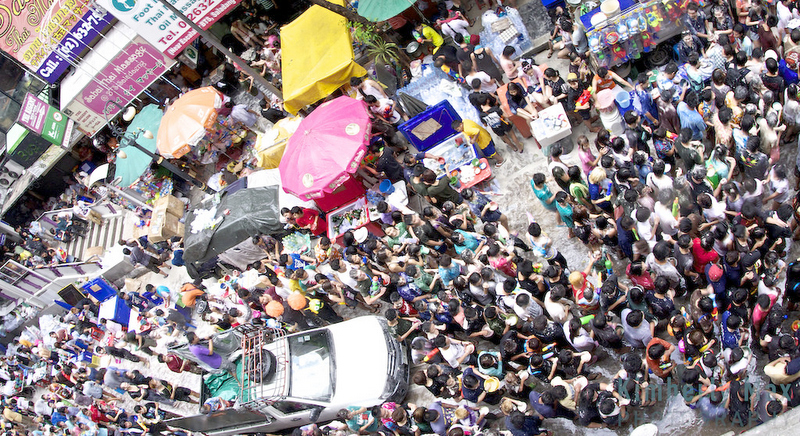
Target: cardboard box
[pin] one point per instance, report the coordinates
(163, 226)
(171, 204)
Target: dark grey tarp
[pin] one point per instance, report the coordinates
(252, 211)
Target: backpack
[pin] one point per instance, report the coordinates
(736, 77)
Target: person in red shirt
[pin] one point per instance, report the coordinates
(176, 364)
(309, 219)
(658, 357)
(703, 252)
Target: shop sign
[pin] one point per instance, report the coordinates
(44, 120)
(75, 42)
(30, 30)
(168, 33)
(132, 71)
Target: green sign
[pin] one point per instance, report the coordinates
(55, 124)
(43, 119)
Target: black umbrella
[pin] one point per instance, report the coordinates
(411, 105)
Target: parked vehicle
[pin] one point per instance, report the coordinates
(292, 380)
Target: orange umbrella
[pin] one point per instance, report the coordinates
(185, 121)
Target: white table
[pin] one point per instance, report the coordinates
(543, 128)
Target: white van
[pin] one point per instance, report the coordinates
(292, 380)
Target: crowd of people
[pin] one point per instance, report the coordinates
(689, 218)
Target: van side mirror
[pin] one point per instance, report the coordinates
(314, 417)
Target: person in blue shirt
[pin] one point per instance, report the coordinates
(464, 240)
(643, 102)
(449, 269)
(731, 335)
(59, 416)
(690, 118)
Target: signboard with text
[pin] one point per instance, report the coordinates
(31, 31)
(168, 33)
(44, 120)
(73, 43)
(132, 71)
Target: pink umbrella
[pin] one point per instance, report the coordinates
(326, 148)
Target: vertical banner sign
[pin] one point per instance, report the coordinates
(32, 31)
(132, 71)
(43, 120)
(168, 33)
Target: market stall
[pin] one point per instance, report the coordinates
(434, 86)
(322, 157)
(217, 226)
(624, 32)
(503, 29)
(431, 131)
(312, 71)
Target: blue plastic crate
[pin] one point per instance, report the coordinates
(99, 289)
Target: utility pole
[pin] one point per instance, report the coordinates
(257, 78)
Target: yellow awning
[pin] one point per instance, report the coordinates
(317, 57)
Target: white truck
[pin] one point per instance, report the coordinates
(292, 380)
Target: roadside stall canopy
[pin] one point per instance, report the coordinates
(251, 211)
(254, 209)
(313, 70)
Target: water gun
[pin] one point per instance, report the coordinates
(586, 319)
(594, 45)
(686, 317)
(623, 31)
(673, 11)
(537, 268)
(548, 351)
(665, 365)
(375, 286)
(584, 97)
(430, 355)
(620, 55)
(654, 18)
(609, 266)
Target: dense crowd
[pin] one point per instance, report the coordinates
(689, 217)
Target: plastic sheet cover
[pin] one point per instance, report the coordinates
(251, 211)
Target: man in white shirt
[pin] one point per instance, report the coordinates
(365, 87)
(383, 108)
(488, 84)
(454, 352)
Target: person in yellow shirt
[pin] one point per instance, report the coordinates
(479, 136)
(424, 33)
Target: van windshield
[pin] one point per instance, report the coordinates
(312, 366)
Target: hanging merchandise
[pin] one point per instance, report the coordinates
(638, 29)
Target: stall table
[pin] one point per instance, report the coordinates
(484, 174)
(552, 125)
(456, 152)
(350, 216)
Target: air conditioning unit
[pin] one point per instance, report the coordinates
(10, 173)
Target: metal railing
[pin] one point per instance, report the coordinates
(256, 391)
